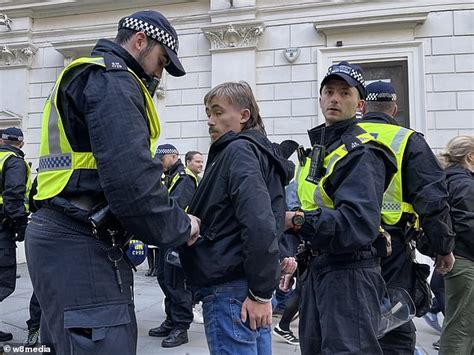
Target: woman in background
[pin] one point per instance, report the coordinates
(458, 329)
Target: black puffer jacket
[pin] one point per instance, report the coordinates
(241, 203)
(461, 198)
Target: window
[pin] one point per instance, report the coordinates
(396, 74)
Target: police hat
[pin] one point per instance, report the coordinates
(380, 91)
(164, 149)
(351, 74)
(157, 27)
(12, 134)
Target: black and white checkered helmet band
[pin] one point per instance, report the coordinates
(339, 68)
(160, 151)
(151, 31)
(381, 96)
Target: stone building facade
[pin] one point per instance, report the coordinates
(281, 47)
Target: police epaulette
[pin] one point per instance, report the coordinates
(350, 141)
(114, 63)
(182, 173)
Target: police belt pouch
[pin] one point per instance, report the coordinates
(172, 257)
(383, 244)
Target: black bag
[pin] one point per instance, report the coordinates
(421, 292)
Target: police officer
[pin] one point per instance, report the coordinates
(96, 161)
(340, 186)
(15, 183)
(181, 186)
(417, 194)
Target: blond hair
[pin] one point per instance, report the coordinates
(240, 96)
(457, 149)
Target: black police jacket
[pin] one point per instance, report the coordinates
(103, 112)
(183, 190)
(13, 188)
(241, 203)
(461, 198)
(356, 187)
(424, 186)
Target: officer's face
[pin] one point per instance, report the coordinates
(196, 164)
(168, 160)
(339, 101)
(223, 117)
(153, 60)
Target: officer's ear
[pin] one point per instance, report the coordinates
(244, 115)
(21, 144)
(395, 110)
(364, 108)
(140, 40)
(360, 105)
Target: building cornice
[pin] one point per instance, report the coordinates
(17, 55)
(244, 35)
(349, 22)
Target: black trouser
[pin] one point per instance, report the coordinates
(292, 306)
(178, 298)
(7, 272)
(340, 308)
(397, 270)
(35, 313)
(83, 310)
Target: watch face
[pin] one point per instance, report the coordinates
(298, 220)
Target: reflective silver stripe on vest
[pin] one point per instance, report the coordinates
(53, 130)
(398, 139)
(55, 162)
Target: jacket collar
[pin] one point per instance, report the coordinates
(379, 117)
(331, 133)
(106, 46)
(10, 148)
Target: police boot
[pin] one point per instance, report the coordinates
(163, 330)
(32, 338)
(5, 336)
(177, 337)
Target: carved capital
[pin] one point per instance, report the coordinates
(232, 36)
(17, 55)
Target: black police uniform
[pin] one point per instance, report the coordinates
(103, 112)
(178, 297)
(13, 216)
(423, 183)
(340, 306)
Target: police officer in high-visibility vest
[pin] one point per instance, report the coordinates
(15, 183)
(340, 185)
(99, 185)
(417, 195)
(181, 186)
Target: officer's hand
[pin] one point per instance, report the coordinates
(195, 224)
(20, 233)
(288, 266)
(288, 220)
(444, 263)
(259, 314)
(286, 282)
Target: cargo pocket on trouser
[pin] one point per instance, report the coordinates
(242, 331)
(100, 329)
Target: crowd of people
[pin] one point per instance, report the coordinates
(339, 228)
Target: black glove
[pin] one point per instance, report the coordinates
(20, 233)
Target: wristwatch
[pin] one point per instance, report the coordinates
(298, 220)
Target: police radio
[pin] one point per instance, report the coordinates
(152, 85)
(316, 167)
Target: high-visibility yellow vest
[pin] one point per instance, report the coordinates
(176, 177)
(4, 155)
(396, 138)
(312, 196)
(57, 158)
